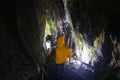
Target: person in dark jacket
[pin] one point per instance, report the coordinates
(68, 34)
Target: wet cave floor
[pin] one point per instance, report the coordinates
(72, 72)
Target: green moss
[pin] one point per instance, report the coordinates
(49, 27)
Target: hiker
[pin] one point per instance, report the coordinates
(68, 34)
(62, 53)
(59, 26)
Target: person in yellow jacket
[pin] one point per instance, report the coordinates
(62, 52)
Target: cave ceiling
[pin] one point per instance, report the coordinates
(92, 16)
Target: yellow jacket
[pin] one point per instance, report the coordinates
(62, 52)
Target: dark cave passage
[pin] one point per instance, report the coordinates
(28, 33)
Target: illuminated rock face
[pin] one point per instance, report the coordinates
(91, 21)
(93, 18)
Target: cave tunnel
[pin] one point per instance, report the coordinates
(29, 30)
